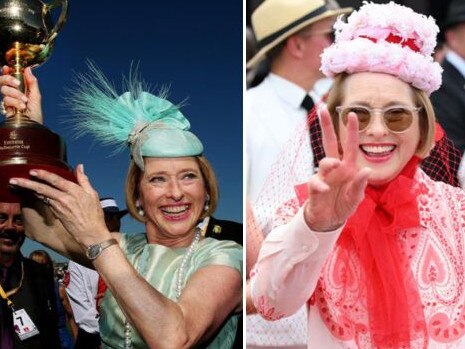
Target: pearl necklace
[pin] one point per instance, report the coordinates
(179, 281)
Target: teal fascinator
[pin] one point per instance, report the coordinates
(150, 124)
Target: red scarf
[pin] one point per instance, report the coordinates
(394, 307)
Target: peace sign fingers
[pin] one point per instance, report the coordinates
(330, 141)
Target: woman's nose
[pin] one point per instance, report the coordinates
(175, 190)
(377, 127)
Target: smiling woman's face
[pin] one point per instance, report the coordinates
(385, 152)
(172, 194)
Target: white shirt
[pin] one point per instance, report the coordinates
(82, 290)
(457, 61)
(273, 114)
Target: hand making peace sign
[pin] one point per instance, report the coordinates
(338, 187)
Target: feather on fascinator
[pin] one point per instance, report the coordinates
(151, 125)
(386, 38)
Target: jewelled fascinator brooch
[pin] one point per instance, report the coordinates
(150, 124)
(386, 38)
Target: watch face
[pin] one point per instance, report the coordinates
(93, 251)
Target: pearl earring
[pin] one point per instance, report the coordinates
(140, 210)
(207, 203)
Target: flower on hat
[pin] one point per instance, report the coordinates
(386, 38)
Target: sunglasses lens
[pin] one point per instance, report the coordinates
(398, 119)
(363, 116)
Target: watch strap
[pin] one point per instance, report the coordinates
(95, 250)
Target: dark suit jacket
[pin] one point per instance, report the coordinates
(228, 230)
(449, 105)
(224, 230)
(37, 297)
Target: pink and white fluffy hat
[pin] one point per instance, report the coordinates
(386, 38)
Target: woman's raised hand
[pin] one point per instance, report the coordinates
(338, 187)
(29, 103)
(77, 206)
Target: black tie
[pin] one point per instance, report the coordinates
(307, 103)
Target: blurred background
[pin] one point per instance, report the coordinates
(435, 8)
(193, 47)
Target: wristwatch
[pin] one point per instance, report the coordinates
(93, 251)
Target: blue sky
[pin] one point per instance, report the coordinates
(192, 46)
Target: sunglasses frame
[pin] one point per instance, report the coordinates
(340, 109)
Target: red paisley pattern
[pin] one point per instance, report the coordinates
(436, 254)
(267, 312)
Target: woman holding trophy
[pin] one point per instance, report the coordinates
(157, 280)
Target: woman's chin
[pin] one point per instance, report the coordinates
(377, 179)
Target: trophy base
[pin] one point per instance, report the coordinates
(25, 146)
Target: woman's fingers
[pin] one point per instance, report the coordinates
(352, 141)
(12, 97)
(13, 102)
(8, 80)
(317, 185)
(54, 180)
(330, 143)
(318, 182)
(42, 189)
(356, 191)
(53, 186)
(327, 165)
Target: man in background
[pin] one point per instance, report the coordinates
(449, 100)
(291, 36)
(29, 287)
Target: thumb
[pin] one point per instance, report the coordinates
(32, 84)
(33, 95)
(82, 179)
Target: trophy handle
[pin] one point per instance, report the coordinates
(61, 20)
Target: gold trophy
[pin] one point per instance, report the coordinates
(27, 35)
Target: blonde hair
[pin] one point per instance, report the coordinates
(134, 176)
(427, 119)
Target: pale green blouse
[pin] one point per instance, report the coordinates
(158, 265)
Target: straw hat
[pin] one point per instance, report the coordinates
(275, 20)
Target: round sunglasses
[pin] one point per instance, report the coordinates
(396, 118)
